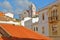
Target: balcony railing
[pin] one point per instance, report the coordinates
(53, 19)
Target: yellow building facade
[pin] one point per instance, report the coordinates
(54, 21)
(49, 18)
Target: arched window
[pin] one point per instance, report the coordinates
(54, 14)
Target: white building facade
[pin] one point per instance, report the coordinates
(9, 14)
(43, 23)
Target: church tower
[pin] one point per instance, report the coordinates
(32, 9)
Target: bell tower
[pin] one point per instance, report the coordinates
(32, 9)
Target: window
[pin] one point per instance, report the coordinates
(43, 30)
(43, 16)
(54, 14)
(54, 29)
(35, 28)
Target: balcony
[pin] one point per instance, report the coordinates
(53, 19)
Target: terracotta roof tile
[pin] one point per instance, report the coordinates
(1, 14)
(38, 12)
(21, 32)
(6, 18)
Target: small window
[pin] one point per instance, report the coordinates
(35, 28)
(43, 30)
(43, 16)
(56, 14)
(56, 11)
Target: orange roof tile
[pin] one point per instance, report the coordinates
(21, 32)
(1, 14)
(38, 12)
(3, 38)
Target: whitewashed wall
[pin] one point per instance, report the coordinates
(44, 23)
(9, 14)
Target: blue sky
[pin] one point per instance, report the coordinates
(16, 6)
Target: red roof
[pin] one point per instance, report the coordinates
(20, 32)
(1, 14)
(38, 12)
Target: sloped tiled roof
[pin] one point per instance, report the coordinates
(38, 12)
(1, 14)
(20, 32)
(6, 18)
